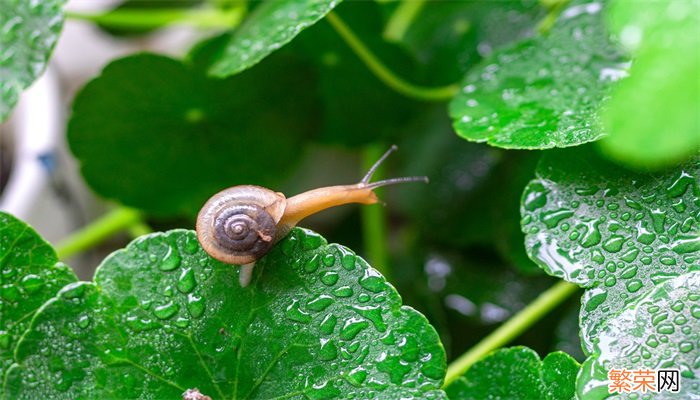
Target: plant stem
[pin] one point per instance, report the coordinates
(97, 231)
(374, 219)
(401, 19)
(555, 8)
(516, 325)
(443, 93)
(156, 18)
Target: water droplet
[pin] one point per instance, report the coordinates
(592, 236)
(357, 376)
(687, 245)
(552, 218)
(695, 311)
(328, 350)
(614, 243)
(190, 245)
(634, 285)
(374, 314)
(195, 305)
(83, 321)
(629, 272)
(535, 196)
(311, 240)
(31, 283)
(667, 260)
(312, 264)
(680, 185)
(170, 261)
(295, 313)
(658, 218)
(630, 255)
(182, 322)
(347, 258)
(186, 282)
(166, 310)
(352, 328)
(320, 303)
(685, 347)
(373, 281)
(328, 324)
(330, 278)
(343, 291)
(665, 329)
(652, 342)
(329, 260)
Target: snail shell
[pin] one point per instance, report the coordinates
(239, 225)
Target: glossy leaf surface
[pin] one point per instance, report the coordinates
(150, 123)
(615, 232)
(545, 91)
(29, 31)
(30, 275)
(163, 317)
(270, 26)
(517, 373)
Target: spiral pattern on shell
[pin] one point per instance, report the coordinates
(245, 229)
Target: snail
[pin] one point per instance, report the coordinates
(239, 225)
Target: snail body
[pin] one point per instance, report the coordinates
(239, 225)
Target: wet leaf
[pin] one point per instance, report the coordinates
(29, 31)
(661, 330)
(615, 232)
(150, 123)
(31, 274)
(270, 26)
(517, 373)
(545, 91)
(163, 317)
(664, 37)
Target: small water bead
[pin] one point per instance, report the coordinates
(84, 321)
(352, 328)
(165, 311)
(186, 282)
(195, 305)
(343, 291)
(680, 320)
(685, 347)
(634, 285)
(695, 311)
(328, 350)
(629, 272)
(347, 258)
(312, 264)
(31, 283)
(665, 329)
(373, 281)
(329, 260)
(190, 244)
(170, 261)
(364, 298)
(320, 303)
(330, 278)
(328, 324)
(311, 240)
(289, 244)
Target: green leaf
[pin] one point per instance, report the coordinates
(653, 116)
(157, 134)
(615, 232)
(660, 330)
(31, 274)
(163, 317)
(542, 92)
(30, 29)
(517, 373)
(270, 26)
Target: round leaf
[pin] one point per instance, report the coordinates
(659, 331)
(30, 29)
(163, 317)
(30, 275)
(270, 26)
(542, 92)
(663, 83)
(517, 373)
(613, 231)
(157, 134)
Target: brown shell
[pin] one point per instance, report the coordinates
(239, 225)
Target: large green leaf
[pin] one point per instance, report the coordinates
(545, 91)
(660, 330)
(28, 32)
(30, 274)
(653, 116)
(609, 230)
(517, 373)
(270, 26)
(150, 123)
(163, 317)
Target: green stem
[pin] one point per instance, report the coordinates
(401, 19)
(555, 8)
(542, 305)
(89, 236)
(156, 18)
(443, 93)
(374, 219)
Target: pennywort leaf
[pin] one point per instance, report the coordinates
(614, 232)
(29, 32)
(270, 26)
(545, 91)
(163, 317)
(31, 274)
